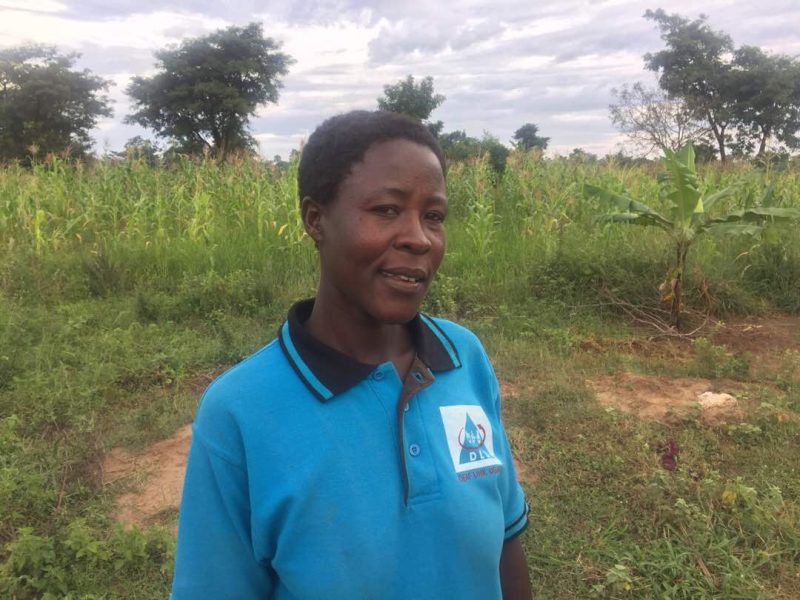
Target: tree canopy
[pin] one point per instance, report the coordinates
(693, 67)
(139, 149)
(768, 90)
(527, 137)
(742, 91)
(416, 100)
(45, 105)
(207, 89)
(458, 146)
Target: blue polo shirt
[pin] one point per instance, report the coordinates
(311, 475)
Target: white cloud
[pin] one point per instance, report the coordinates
(500, 63)
(580, 117)
(314, 46)
(270, 144)
(41, 6)
(148, 31)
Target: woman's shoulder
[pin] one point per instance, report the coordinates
(245, 385)
(247, 373)
(463, 339)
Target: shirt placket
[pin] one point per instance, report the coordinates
(416, 460)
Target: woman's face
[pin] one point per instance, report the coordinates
(382, 238)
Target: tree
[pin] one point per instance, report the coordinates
(694, 68)
(498, 153)
(579, 155)
(768, 96)
(458, 146)
(689, 216)
(413, 99)
(527, 137)
(45, 105)
(620, 159)
(207, 89)
(653, 120)
(138, 148)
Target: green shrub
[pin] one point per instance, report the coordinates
(716, 362)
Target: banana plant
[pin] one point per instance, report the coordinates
(689, 216)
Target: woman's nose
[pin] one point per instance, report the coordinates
(413, 235)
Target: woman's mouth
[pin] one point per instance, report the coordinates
(405, 278)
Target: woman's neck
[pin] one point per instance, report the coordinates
(360, 337)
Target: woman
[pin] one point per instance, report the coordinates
(361, 453)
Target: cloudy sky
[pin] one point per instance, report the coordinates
(500, 63)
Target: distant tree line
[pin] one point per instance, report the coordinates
(418, 100)
(199, 101)
(726, 100)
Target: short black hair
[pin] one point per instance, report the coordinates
(342, 141)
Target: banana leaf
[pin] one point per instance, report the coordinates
(761, 214)
(768, 198)
(734, 229)
(679, 184)
(710, 200)
(628, 205)
(700, 217)
(636, 219)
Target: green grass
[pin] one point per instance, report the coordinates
(609, 521)
(123, 288)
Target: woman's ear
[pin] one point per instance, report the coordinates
(311, 212)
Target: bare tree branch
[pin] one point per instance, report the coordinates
(653, 121)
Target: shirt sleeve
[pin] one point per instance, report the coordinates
(515, 507)
(214, 557)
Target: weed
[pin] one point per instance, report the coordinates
(788, 377)
(716, 362)
(745, 433)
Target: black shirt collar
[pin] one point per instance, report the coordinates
(327, 372)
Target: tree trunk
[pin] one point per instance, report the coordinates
(719, 135)
(219, 142)
(677, 284)
(763, 145)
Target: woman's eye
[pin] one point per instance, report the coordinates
(386, 210)
(437, 217)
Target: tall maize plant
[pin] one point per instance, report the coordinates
(481, 217)
(688, 216)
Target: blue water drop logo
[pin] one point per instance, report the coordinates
(472, 439)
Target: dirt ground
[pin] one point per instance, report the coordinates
(666, 399)
(154, 477)
(760, 335)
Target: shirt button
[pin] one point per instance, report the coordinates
(406, 407)
(413, 450)
(378, 375)
(418, 376)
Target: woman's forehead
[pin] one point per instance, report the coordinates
(397, 160)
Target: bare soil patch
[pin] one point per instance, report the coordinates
(667, 399)
(509, 389)
(760, 335)
(155, 477)
(672, 349)
(525, 472)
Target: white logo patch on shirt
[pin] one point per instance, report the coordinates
(469, 437)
